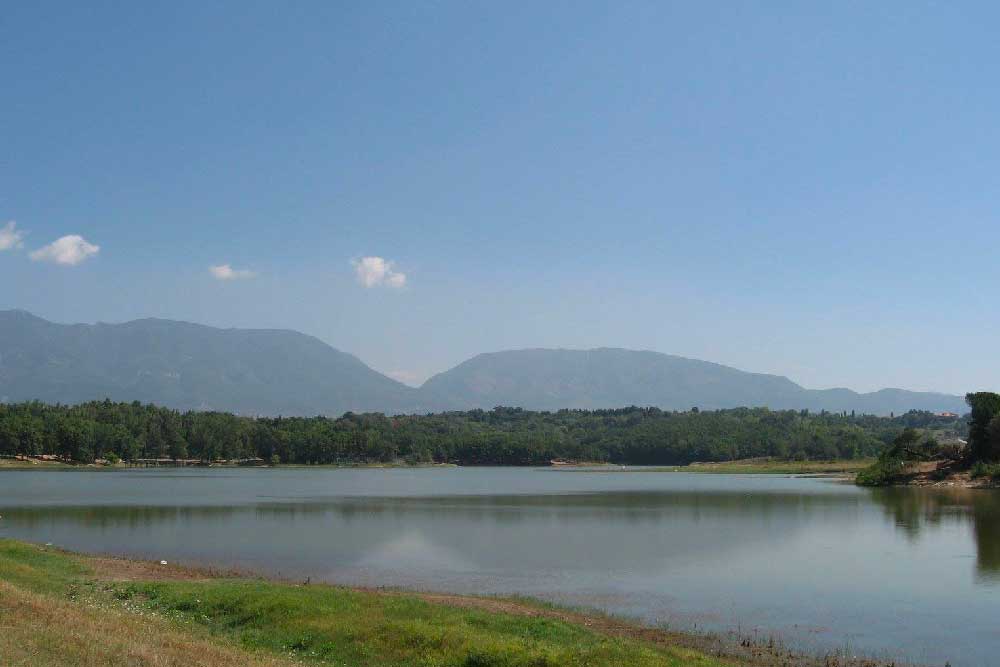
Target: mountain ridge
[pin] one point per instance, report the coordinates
(583, 382)
(187, 365)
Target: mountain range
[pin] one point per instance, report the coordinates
(272, 372)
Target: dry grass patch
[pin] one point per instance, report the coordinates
(37, 630)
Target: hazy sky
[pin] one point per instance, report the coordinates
(809, 189)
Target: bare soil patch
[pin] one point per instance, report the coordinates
(942, 474)
(107, 568)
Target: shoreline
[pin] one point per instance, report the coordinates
(30, 463)
(942, 474)
(844, 469)
(119, 583)
(836, 468)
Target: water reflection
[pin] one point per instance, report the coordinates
(733, 519)
(914, 511)
(487, 533)
(909, 573)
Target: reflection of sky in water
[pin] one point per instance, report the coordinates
(821, 563)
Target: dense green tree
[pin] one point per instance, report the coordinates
(113, 439)
(75, 438)
(985, 406)
(9, 442)
(30, 435)
(176, 445)
(156, 444)
(993, 436)
(504, 436)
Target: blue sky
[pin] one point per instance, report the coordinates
(784, 187)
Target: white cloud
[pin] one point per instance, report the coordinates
(226, 272)
(68, 251)
(396, 280)
(10, 237)
(376, 272)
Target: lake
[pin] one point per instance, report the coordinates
(911, 573)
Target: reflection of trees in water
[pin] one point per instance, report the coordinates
(658, 526)
(112, 516)
(635, 507)
(986, 528)
(913, 510)
(645, 507)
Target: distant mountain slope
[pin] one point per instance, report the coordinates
(271, 372)
(546, 379)
(189, 366)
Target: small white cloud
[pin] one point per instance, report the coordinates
(226, 272)
(376, 272)
(10, 237)
(68, 251)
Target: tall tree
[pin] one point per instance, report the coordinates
(176, 445)
(985, 407)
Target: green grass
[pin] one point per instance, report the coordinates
(881, 473)
(37, 569)
(317, 624)
(345, 627)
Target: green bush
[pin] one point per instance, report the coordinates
(881, 473)
(989, 471)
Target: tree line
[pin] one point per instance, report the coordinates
(104, 430)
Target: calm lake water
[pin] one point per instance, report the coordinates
(893, 572)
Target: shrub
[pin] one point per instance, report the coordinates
(990, 471)
(881, 473)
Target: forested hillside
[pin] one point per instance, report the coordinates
(505, 436)
(277, 372)
(189, 367)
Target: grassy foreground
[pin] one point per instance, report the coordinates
(62, 609)
(67, 610)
